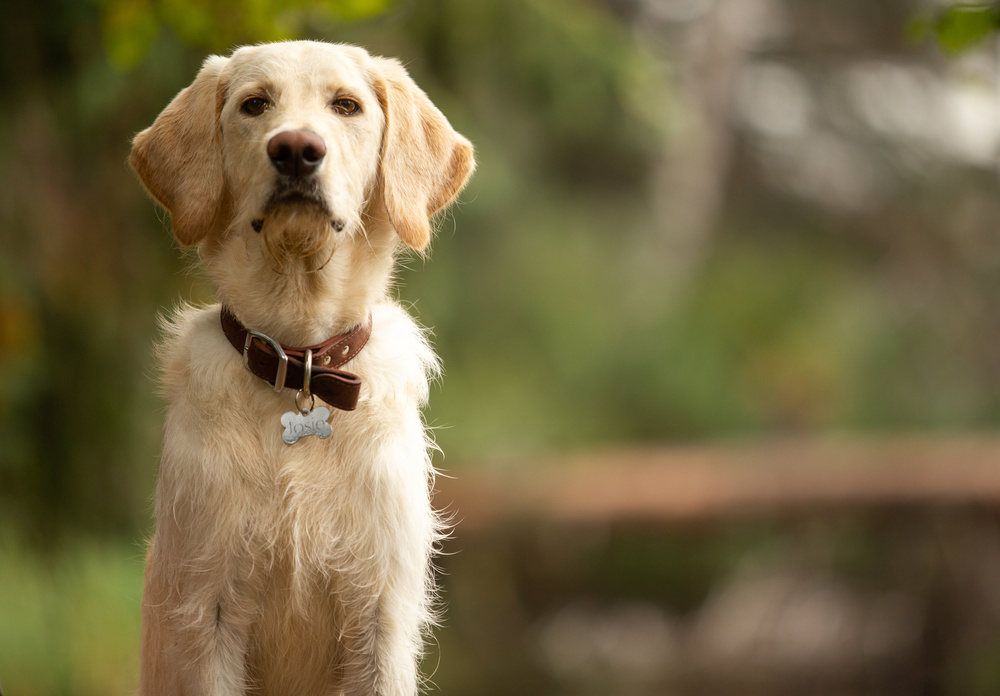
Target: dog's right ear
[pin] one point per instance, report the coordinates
(179, 158)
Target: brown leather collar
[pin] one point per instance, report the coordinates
(260, 354)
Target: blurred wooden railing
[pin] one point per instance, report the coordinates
(692, 483)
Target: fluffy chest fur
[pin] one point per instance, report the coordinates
(320, 501)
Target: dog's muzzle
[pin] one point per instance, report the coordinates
(297, 156)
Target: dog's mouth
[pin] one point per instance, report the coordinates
(296, 196)
(296, 221)
(301, 202)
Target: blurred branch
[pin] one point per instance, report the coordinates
(769, 478)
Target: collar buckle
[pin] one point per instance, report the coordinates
(279, 378)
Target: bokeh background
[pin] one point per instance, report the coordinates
(720, 316)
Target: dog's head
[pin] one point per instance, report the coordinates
(300, 143)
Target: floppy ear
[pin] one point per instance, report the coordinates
(179, 158)
(425, 163)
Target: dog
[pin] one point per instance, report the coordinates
(293, 540)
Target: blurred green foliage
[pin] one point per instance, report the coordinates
(958, 27)
(130, 27)
(69, 623)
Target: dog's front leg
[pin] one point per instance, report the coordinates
(194, 634)
(385, 628)
(201, 591)
(380, 656)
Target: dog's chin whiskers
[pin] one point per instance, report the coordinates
(275, 263)
(328, 259)
(326, 242)
(307, 251)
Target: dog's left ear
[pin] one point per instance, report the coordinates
(425, 163)
(179, 158)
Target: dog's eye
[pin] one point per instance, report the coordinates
(254, 106)
(345, 106)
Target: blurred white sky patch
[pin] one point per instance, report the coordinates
(773, 100)
(838, 135)
(972, 110)
(820, 102)
(898, 101)
(955, 114)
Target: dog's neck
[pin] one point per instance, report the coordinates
(302, 301)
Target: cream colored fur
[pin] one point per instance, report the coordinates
(303, 569)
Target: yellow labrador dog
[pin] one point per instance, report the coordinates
(293, 523)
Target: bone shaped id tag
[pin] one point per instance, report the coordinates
(306, 422)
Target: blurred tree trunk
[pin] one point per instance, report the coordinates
(703, 45)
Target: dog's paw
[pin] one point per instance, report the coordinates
(306, 423)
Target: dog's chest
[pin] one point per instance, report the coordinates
(320, 502)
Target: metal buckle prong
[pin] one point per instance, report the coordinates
(279, 379)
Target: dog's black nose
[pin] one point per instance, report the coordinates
(296, 153)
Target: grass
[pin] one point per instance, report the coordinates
(69, 619)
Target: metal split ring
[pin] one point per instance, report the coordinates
(312, 402)
(306, 380)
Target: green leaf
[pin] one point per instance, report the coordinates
(962, 26)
